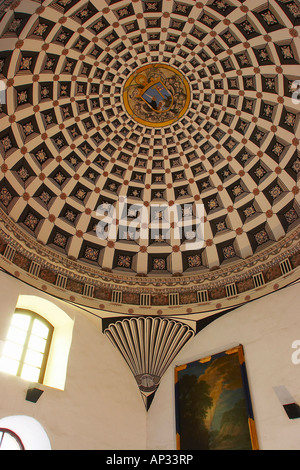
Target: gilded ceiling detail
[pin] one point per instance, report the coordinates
(119, 120)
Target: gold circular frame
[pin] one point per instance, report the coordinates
(146, 82)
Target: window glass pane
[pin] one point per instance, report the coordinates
(9, 365)
(38, 344)
(26, 330)
(30, 373)
(33, 358)
(40, 329)
(21, 321)
(12, 350)
(16, 335)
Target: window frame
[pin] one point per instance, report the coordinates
(34, 316)
(12, 434)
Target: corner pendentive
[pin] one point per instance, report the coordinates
(148, 345)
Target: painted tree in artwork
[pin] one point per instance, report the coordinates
(195, 401)
(212, 408)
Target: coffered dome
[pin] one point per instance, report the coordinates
(150, 148)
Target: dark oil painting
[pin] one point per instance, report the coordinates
(213, 404)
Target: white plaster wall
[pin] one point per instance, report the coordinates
(266, 328)
(100, 408)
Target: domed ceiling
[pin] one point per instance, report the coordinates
(150, 152)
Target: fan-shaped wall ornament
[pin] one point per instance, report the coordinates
(148, 345)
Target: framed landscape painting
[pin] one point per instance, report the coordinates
(213, 404)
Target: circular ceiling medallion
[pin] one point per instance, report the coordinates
(156, 95)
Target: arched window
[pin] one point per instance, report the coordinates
(43, 323)
(20, 432)
(9, 440)
(27, 346)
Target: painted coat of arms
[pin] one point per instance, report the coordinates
(156, 95)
